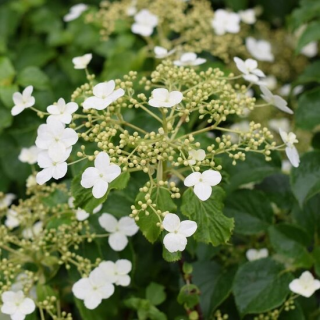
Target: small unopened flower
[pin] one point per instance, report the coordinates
(29, 155)
(12, 220)
(290, 139)
(104, 94)
(248, 16)
(82, 62)
(163, 98)
(225, 22)
(99, 176)
(6, 201)
(189, 59)
(62, 111)
(250, 69)
(196, 155)
(144, 23)
(22, 101)
(119, 230)
(34, 231)
(203, 183)
(16, 305)
(117, 272)
(275, 100)
(176, 239)
(259, 49)
(75, 12)
(306, 285)
(310, 50)
(162, 53)
(255, 254)
(93, 289)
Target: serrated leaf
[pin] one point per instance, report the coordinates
(213, 226)
(171, 257)
(189, 295)
(35, 77)
(155, 293)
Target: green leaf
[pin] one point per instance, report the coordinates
(7, 71)
(310, 74)
(291, 242)
(35, 77)
(213, 226)
(315, 142)
(316, 257)
(260, 286)
(84, 199)
(5, 118)
(44, 292)
(171, 257)
(148, 219)
(308, 111)
(305, 180)
(304, 14)
(189, 295)
(251, 211)
(311, 33)
(155, 293)
(215, 284)
(6, 93)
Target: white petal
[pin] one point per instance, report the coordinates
(59, 170)
(104, 89)
(93, 300)
(100, 188)
(102, 161)
(108, 222)
(27, 306)
(44, 161)
(16, 110)
(175, 97)
(203, 191)
(252, 254)
(123, 281)
(171, 222)
(211, 177)
(192, 179)
(112, 172)
(293, 156)
(240, 65)
(118, 241)
(281, 104)
(106, 290)
(44, 176)
(81, 288)
(187, 228)
(141, 29)
(81, 214)
(123, 266)
(69, 137)
(128, 226)
(89, 177)
(174, 242)
(109, 270)
(94, 103)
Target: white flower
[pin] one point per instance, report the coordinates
(93, 289)
(310, 50)
(285, 90)
(145, 22)
(104, 95)
(119, 230)
(29, 155)
(250, 69)
(75, 12)
(82, 61)
(81, 214)
(163, 98)
(6, 201)
(12, 220)
(306, 285)
(256, 254)
(17, 305)
(259, 49)
(99, 176)
(189, 59)
(225, 21)
(243, 126)
(282, 123)
(117, 272)
(54, 137)
(131, 11)
(270, 82)
(22, 101)
(55, 169)
(196, 155)
(34, 231)
(248, 16)
(275, 100)
(202, 183)
(162, 53)
(176, 239)
(62, 111)
(289, 139)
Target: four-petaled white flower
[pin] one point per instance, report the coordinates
(75, 12)
(6, 201)
(62, 111)
(34, 231)
(117, 272)
(104, 95)
(93, 289)
(99, 176)
(189, 59)
(82, 61)
(29, 155)
(162, 53)
(12, 220)
(22, 101)
(196, 155)
(306, 285)
(176, 239)
(248, 16)
(163, 98)
(202, 183)
(259, 49)
(225, 21)
(55, 169)
(310, 50)
(290, 139)
(255, 254)
(250, 69)
(275, 100)
(144, 23)
(119, 230)
(16, 305)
